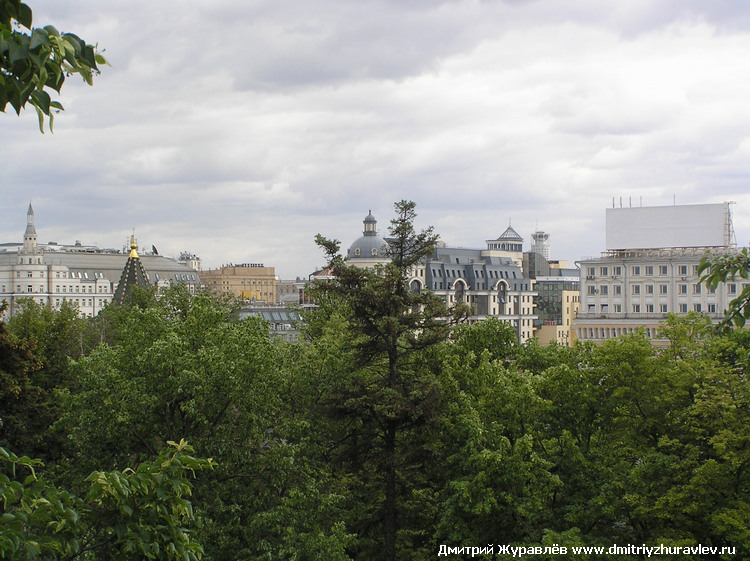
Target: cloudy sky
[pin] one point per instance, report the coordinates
(238, 130)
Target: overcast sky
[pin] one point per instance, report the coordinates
(238, 130)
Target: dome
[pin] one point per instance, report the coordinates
(369, 244)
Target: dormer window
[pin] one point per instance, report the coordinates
(374, 251)
(356, 252)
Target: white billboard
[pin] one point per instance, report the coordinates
(668, 226)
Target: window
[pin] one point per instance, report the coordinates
(29, 288)
(696, 289)
(29, 274)
(683, 308)
(617, 289)
(649, 289)
(663, 308)
(732, 288)
(682, 289)
(636, 269)
(617, 271)
(711, 308)
(636, 308)
(604, 271)
(618, 308)
(650, 270)
(696, 307)
(636, 288)
(682, 270)
(604, 289)
(663, 288)
(649, 308)
(663, 270)
(591, 271)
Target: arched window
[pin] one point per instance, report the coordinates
(459, 288)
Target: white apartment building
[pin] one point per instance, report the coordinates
(651, 269)
(85, 276)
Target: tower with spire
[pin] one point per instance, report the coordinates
(29, 237)
(132, 275)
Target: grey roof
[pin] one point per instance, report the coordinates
(111, 265)
(365, 244)
(510, 234)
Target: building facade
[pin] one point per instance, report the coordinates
(490, 282)
(85, 276)
(252, 282)
(628, 288)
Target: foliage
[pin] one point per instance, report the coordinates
(383, 399)
(185, 367)
(20, 369)
(139, 513)
(35, 60)
(717, 269)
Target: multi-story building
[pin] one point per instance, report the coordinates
(86, 276)
(650, 269)
(249, 281)
(489, 281)
(557, 302)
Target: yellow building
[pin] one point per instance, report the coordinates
(248, 281)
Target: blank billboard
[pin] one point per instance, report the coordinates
(668, 226)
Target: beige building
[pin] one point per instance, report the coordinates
(252, 282)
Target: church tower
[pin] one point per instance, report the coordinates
(29, 236)
(132, 275)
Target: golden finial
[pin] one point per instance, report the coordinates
(133, 247)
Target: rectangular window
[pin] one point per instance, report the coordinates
(682, 270)
(696, 289)
(663, 270)
(617, 289)
(663, 288)
(682, 289)
(732, 288)
(604, 289)
(636, 269)
(696, 307)
(636, 288)
(649, 289)
(618, 308)
(650, 270)
(683, 308)
(603, 271)
(636, 308)
(591, 272)
(649, 308)
(711, 308)
(617, 271)
(663, 308)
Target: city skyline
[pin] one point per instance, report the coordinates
(238, 132)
